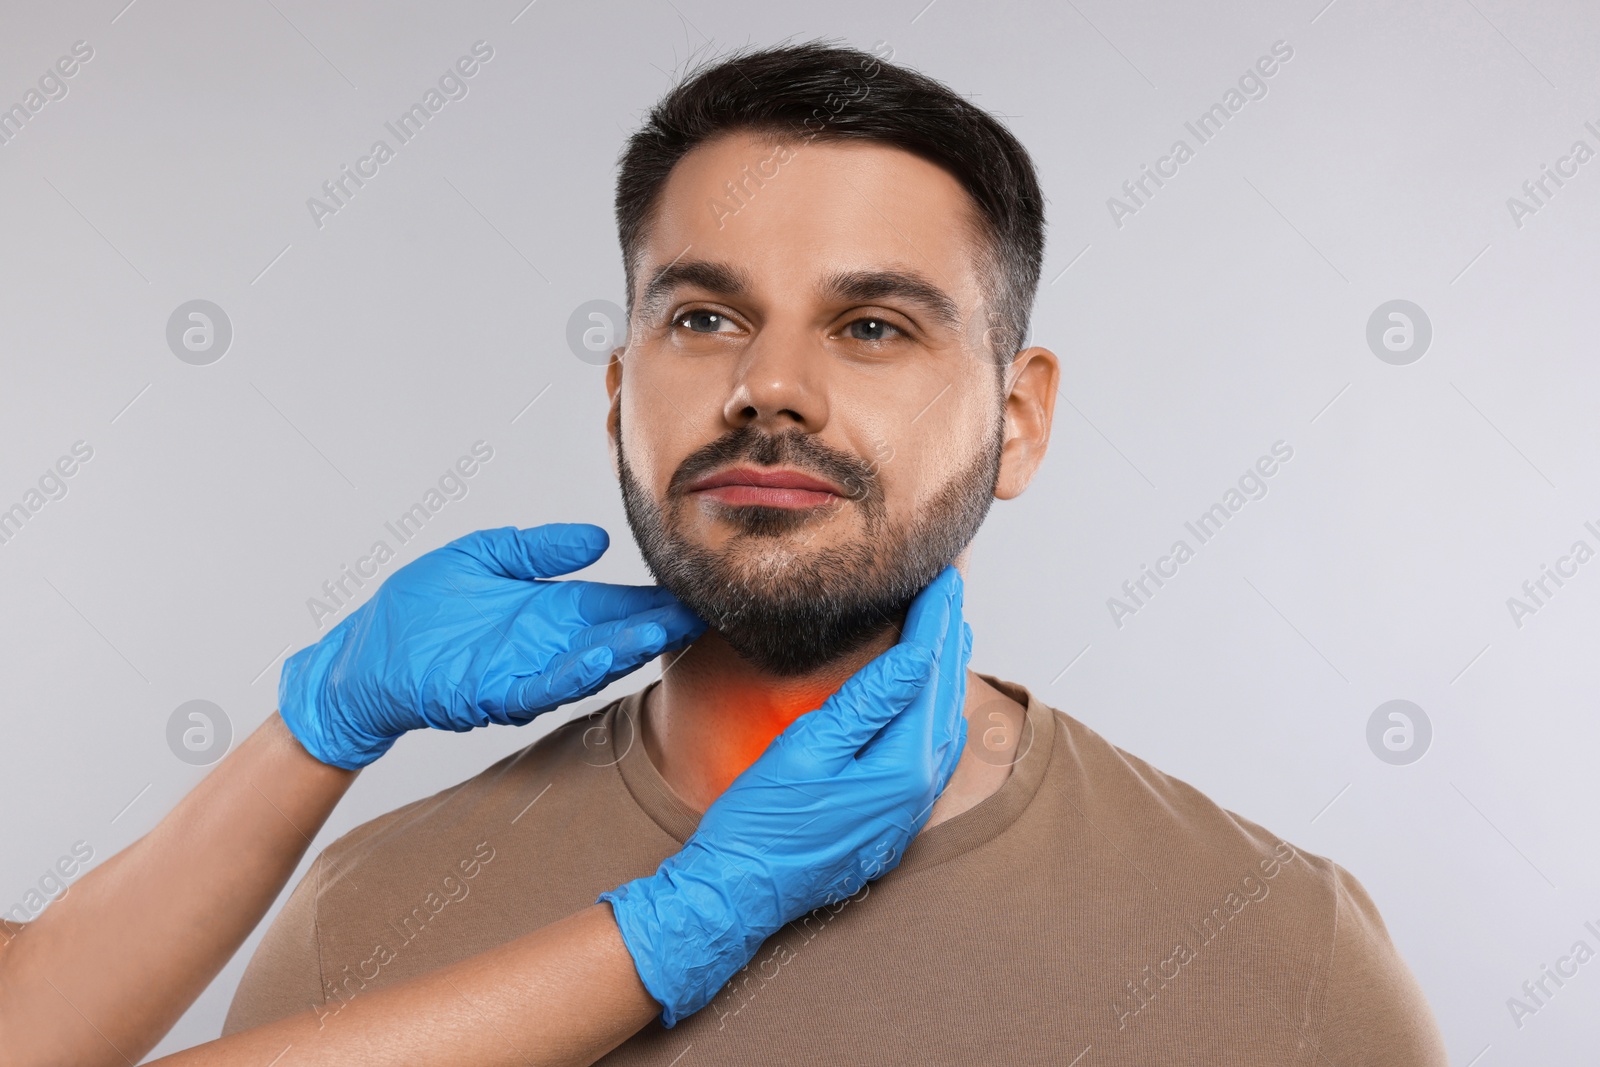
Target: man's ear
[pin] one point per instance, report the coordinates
(614, 412)
(1035, 375)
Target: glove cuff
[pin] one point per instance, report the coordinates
(686, 929)
(302, 684)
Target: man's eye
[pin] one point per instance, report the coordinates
(701, 321)
(871, 329)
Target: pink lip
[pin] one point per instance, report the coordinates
(772, 488)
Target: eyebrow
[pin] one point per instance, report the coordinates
(862, 286)
(718, 278)
(870, 286)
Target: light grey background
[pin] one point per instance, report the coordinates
(1229, 313)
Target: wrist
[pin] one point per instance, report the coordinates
(690, 926)
(303, 704)
(281, 737)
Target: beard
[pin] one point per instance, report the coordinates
(788, 611)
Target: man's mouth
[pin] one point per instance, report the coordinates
(769, 486)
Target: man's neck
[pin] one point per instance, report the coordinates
(713, 714)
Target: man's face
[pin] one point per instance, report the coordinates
(821, 331)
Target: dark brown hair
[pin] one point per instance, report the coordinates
(818, 90)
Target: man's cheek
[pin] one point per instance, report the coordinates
(855, 488)
(652, 462)
(660, 431)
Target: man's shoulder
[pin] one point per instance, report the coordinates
(1166, 818)
(570, 754)
(1290, 918)
(444, 876)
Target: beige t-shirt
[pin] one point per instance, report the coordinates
(1092, 911)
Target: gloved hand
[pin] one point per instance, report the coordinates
(831, 804)
(470, 634)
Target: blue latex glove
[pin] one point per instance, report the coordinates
(470, 634)
(831, 804)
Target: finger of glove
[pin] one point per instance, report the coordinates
(906, 765)
(929, 615)
(631, 643)
(957, 739)
(952, 694)
(591, 636)
(952, 663)
(958, 746)
(537, 552)
(660, 627)
(601, 602)
(568, 677)
(633, 647)
(929, 623)
(915, 755)
(825, 741)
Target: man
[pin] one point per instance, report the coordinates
(830, 262)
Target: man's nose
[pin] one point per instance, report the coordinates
(780, 381)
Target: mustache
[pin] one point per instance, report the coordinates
(793, 448)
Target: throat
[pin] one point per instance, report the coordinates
(711, 716)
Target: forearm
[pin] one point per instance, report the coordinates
(565, 994)
(104, 973)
